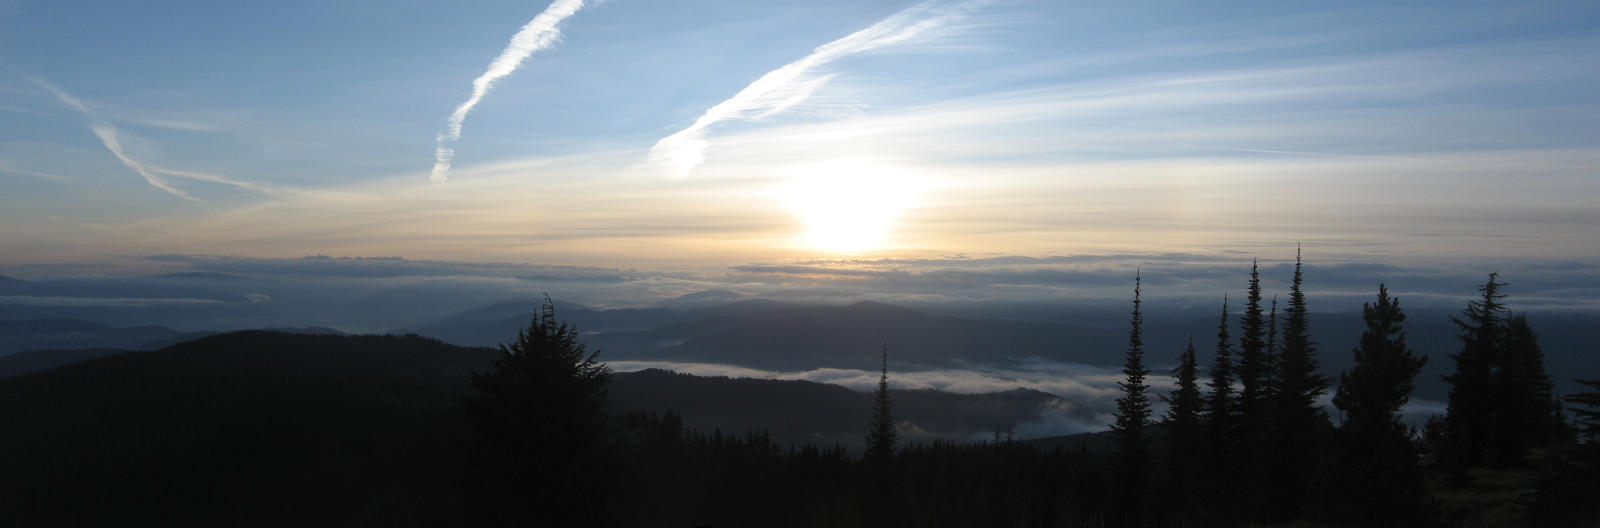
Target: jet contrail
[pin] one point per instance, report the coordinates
(791, 84)
(108, 136)
(539, 33)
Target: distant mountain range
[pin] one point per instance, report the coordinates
(773, 335)
(710, 326)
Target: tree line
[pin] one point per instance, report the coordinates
(1246, 440)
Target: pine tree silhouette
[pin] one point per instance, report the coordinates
(1300, 423)
(1185, 437)
(880, 505)
(1529, 413)
(1383, 480)
(1132, 418)
(1253, 371)
(543, 454)
(881, 438)
(1471, 406)
(1222, 426)
(1254, 432)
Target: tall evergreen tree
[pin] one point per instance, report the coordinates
(1254, 432)
(1253, 372)
(1269, 386)
(543, 454)
(881, 504)
(1184, 434)
(1383, 480)
(1299, 422)
(1471, 405)
(1132, 418)
(1220, 404)
(881, 438)
(1529, 413)
(1221, 423)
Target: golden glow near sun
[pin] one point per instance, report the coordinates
(848, 206)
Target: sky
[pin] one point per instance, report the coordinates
(749, 136)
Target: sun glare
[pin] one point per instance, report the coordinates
(847, 206)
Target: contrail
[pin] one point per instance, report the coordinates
(791, 84)
(540, 33)
(108, 136)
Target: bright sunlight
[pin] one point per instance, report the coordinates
(848, 206)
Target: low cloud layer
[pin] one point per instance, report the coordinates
(1090, 392)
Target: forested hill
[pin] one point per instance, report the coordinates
(237, 425)
(234, 427)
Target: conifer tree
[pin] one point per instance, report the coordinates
(543, 455)
(1581, 473)
(1383, 480)
(1252, 366)
(1221, 423)
(1299, 421)
(1132, 418)
(1220, 404)
(1529, 413)
(880, 505)
(1472, 398)
(881, 438)
(1270, 358)
(1184, 434)
(1255, 426)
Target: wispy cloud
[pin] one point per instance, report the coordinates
(111, 137)
(108, 136)
(792, 84)
(540, 33)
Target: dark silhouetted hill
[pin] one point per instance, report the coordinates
(235, 427)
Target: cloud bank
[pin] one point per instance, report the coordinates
(790, 85)
(540, 33)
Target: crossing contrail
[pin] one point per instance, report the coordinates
(791, 84)
(540, 33)
(108, 135)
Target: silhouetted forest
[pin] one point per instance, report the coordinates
(263, 428)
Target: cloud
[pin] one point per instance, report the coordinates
(59, 301)
(787, 86)
(1090, 392)
(540, 33)
(110, 137)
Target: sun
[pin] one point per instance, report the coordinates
(847, 206)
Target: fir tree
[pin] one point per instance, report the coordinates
(1254, 406)
(1529, 413)
(1300, 421)
(880, 506)
(542, 431)
(1383, 480)
(1253, 371)
(1470, 411)
(1221, 422)
(1184, 434)
(1132, 418)
(1269, 361)
(881, 438)
(1586, 411)
(1220, 409)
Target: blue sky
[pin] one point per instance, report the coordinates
(1384, 132)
